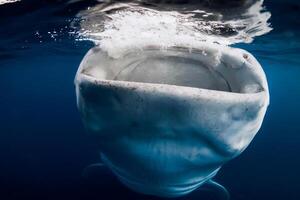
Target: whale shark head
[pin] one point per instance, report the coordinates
(166, 120)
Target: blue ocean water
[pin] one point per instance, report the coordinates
(43, 145)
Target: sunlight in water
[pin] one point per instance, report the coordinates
(170, 25)
(7, 1)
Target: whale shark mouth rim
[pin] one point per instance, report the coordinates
(261, 97)
(255, 69)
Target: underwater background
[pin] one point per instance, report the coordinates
(44, 148)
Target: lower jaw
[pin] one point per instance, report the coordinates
(169, 191)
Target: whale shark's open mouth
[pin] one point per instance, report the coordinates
(207, 67)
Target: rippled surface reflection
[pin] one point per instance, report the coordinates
(173, 24)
